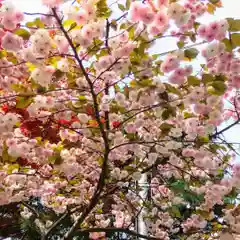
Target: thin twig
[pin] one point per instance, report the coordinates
(43, 14)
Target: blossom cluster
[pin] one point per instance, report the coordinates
(87, 111)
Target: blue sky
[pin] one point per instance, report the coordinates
(231, 9)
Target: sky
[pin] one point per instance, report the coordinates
(230, 9)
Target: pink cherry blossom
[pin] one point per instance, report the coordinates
(146, 15)
(161, 19)
(105, 125)
(52, 3)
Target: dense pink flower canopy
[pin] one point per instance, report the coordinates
(87, 111)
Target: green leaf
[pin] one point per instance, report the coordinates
(100, 161)
(68, 23)
(103, 52)
(226, 158)
(196, 25)
(206, 78)
(219, 88)
(102, 9)
(39, 23)
(204, 139)
(220, 77)
(169, 112)
(175, 211)
(211, 8)
(214, 148)
(52, 159)
(235, 39)
(166, 126)
(234, 25)
(228, 44)
(11, 58)
(131, 33)
(159, 62)
(19, 88)
(23, 33)
(30, 24)
(121, 195)
(12, 167)
(123, 25)
(71, 80)
(121, 7)
(55, 159)
(131, 136)
(214, 1)
(172, 89)
(141, 49)
(73, 26)
(58, 74)
(3, 54)
(180, 44)
(188, 115)
(181, 107)
(145, 82)
(178, 185)
(5, 155)
(193, 37)
(193, 81)
(99, 211)
(82, 99)
(191, 53)
(212, 90)
(166, 114)
(155, 56)
(36, 23)
(128, 3)
(192, 197)
(23, 102)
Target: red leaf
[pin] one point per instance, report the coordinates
(116, 124)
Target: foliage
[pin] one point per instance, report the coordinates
(89, 108)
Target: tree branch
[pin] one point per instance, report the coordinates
(101, 181)
(225, 129)
(43, 14)
(107, 84)
(54, 225)
(117, 230)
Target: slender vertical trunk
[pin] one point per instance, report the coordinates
(141, 226)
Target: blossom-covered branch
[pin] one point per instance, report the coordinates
(92, 103)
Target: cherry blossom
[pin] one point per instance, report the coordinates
(89, 107)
